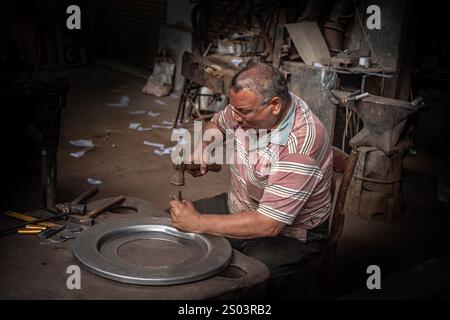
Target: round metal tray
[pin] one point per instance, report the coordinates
(150, 251)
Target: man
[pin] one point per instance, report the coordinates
(277, 210)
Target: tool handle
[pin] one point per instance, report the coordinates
(84, 196)
(106, 206)
(210, 167)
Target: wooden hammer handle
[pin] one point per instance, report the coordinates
(210, 167)
(106, 206)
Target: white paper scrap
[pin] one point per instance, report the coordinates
(137, 112)
(154, 144)
(153, 114)
(165, 151)
(123, 102)
(140, 129)
(78, 154)
(134, 125)
(161, 127)
(82, 143)
(160, 102)
(94, 181)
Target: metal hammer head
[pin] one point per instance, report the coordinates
(71, 208)
(178, 178)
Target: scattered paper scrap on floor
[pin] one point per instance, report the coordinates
(134, 125)
(78, 154)
(153, 114)
(82, 143)
(137, 112)
(94, 181)
(160, 102)
(123, 102)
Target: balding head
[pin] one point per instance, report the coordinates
(263, 80)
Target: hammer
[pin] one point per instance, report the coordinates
(75, 206)
(88, 219)
(178, 178)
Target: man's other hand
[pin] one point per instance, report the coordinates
(184, 216)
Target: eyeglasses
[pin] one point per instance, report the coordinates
(245, 114)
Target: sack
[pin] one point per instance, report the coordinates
(160, 83)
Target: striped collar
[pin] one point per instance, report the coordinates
(280, 135)
(285, 127)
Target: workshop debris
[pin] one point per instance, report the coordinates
(161, 127)
(141, 129)
(239, 44)
(180, 132)
(160, 102)
(137, 112)
(123, 102)
(309, 42)
(134, 125)
(165, 151)
(78, 154)
(82, 143)
(160, 83)
(94, 181)
(153, 114)
(154, 144)
(166, 122)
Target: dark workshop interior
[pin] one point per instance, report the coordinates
(92, 91)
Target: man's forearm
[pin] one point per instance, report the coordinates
(244, 225)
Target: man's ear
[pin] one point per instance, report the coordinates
(276, 106)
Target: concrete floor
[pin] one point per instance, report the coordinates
(132, 169)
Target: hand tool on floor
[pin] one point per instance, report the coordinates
(88, 219)
(76, 206)
(10, 230)
(30, 219)
(178, 178)
(28, 231)
(51, 232)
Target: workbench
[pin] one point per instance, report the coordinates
(33, 268)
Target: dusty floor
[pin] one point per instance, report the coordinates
(131, 168)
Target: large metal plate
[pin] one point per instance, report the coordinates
(150, 251)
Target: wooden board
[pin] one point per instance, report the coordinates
(309, 42)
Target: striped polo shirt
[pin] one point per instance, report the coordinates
(287, 174)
